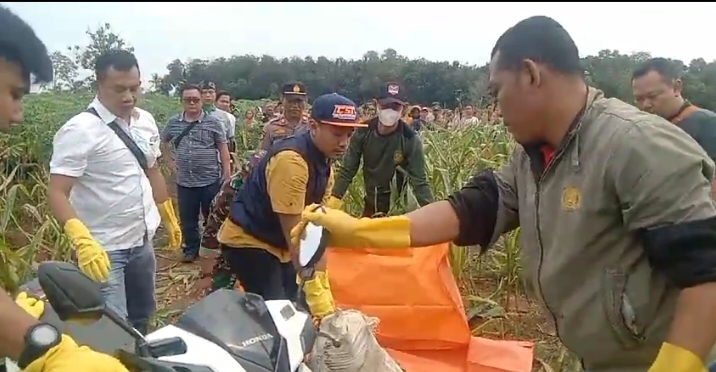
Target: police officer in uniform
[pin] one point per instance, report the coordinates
(292, 121)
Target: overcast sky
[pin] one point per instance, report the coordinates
(161, 32)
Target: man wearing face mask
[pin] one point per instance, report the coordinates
(386, 144)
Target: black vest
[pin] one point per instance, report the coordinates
(251, 207)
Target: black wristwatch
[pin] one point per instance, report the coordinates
(39, 339)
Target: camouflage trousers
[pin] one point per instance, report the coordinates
(221, 275)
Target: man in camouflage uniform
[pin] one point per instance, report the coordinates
(219, 210)
(292, 121)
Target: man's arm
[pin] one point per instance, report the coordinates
(349, 164)
(165, 148)
(70, 150)
(155, 176)
(478, 214)
(701, 125)
(223, 147)
(287, 180)
(14, 323)
(663, 181)
(266, 139)
(417, 173)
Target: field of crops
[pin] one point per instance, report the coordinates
(492, 286)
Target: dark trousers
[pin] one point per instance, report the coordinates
(192, 201)
(262, 273)
(377, 203)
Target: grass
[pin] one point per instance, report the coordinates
(492, 284)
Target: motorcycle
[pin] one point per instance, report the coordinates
(226, 331)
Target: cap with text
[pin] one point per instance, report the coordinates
(294, 89)
(334, 109)
(391, 93)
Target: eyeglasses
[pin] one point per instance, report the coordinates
(191, 100)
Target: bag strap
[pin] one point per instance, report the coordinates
(128, 141)
(183, 134)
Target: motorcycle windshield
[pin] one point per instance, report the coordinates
(238, 322)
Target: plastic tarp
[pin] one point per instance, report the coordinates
(422, 318)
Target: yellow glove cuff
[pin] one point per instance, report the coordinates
(672, 358)
(166, 210)
(64, 347)
(318, 295)
(389, 232)
(74, 228)
(334, 202)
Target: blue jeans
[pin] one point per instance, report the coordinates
(130, 290)
(712, 368)
(192, 201)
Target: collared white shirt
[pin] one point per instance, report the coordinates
(112, 195)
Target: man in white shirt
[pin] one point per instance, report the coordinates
(223, 102)
(103, 186)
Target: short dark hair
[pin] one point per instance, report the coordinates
(186, 87)
(542, 40)
(223, 93)
(662, 66)
(20, 45)
(118, 59)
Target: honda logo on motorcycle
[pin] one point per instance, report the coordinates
(256, 339)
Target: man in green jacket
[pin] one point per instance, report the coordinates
(387, 144)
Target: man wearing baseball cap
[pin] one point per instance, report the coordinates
(388, 143)
(293, 120)
(208, 101)
(295, 172)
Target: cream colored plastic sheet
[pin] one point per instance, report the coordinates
(346, 343)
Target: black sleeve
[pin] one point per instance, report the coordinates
(686, 252)
(702, 128)
(476, 207)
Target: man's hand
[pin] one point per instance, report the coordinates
(69, 357)
(672, 358)
(350, 232)
(166, 210)
(33, 306)
(92, 258)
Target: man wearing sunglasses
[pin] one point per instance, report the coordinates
(200, 161)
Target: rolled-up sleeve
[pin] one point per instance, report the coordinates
(661, 176)
(487, 206)
(70, 148)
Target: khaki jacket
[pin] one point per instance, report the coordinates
(618, 171)
(279, 128)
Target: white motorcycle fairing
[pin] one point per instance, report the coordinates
(289, 322)
(243, 328)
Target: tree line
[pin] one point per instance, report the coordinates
(448, 83)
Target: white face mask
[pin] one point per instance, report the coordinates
(388, 117)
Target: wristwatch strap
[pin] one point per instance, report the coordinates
(32, 350)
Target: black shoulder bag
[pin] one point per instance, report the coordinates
(128, 141)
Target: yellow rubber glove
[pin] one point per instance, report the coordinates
(334, 203)
(672, 358)
(93, 259)
(68, 357)
(350, 232)
(318, 295)
(166, 209)
(32, 305)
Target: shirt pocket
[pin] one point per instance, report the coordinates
(619, 309)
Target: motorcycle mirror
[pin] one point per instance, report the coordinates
(76, 297)
(73, 295)
(313, 245)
